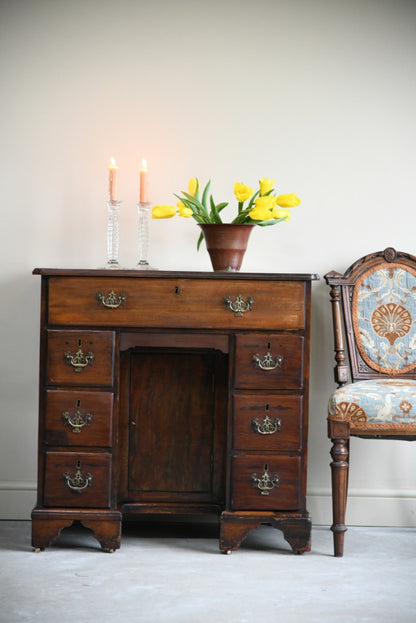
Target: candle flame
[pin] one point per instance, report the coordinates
(113, 162)
(144, 164)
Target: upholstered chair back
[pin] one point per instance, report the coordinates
(384, 314)
(379, 307)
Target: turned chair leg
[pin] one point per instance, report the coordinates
(339, 473)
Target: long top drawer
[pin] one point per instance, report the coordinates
(177, 302)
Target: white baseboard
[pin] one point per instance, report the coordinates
(17, 498)
(364, 508)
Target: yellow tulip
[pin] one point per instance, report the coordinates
(268, 201)
(242, 192)
(163, 211)
(193, 186)
(282, 213)
(262, 210)
(266, 185)
(186, 212)
(288, 201)
(183, 210)
(260, 214)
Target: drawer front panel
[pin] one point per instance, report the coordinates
(265, 483)
(267, 422)
(78, 418)
(80, 357)
(269, 361)
(79, 480)
(181, 303)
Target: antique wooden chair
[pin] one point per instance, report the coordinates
(374, 311)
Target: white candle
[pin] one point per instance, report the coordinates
(144, 183)
(113, 180)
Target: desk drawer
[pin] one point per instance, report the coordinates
(77, 479)
(176, 302)
(78, 418)
(265, 483)
(80, 357)
(269, 361)
(267, 422)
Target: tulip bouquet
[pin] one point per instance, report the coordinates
(263, 207)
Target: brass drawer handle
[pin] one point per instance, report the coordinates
(266, 482)
(79, 361)
(77, 421)
(239, 306)
(112, 301)
(267, 427)
(268, 362)
(78, 482)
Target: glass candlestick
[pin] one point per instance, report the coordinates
(144, 213)
(113, 235)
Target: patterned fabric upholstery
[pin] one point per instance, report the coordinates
(380, 406)
(384, 318)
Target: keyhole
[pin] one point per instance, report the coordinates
(176, 289)
(266, 467)
(79, 342)
(268, 345)
(78, 465)
(78, 404)
(267, 407)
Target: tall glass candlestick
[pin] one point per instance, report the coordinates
(113, 236)
(144, 213)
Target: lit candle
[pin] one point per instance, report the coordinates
(144, 183)
(113, 180)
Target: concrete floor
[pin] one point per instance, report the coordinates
(170, 573)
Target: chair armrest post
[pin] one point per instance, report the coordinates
(341, 370)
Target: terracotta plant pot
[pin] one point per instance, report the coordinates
(226, 244)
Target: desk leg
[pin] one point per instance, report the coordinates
(47, 524)
(234, 527)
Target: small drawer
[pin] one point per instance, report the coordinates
(77, 479)
(267, 422)
(265, 483)
(80, 357)
(78, 418)
(269, 361)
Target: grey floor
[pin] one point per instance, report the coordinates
(171, 573)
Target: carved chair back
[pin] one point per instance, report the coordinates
(374, 307)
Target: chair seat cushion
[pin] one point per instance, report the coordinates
(380, 406)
